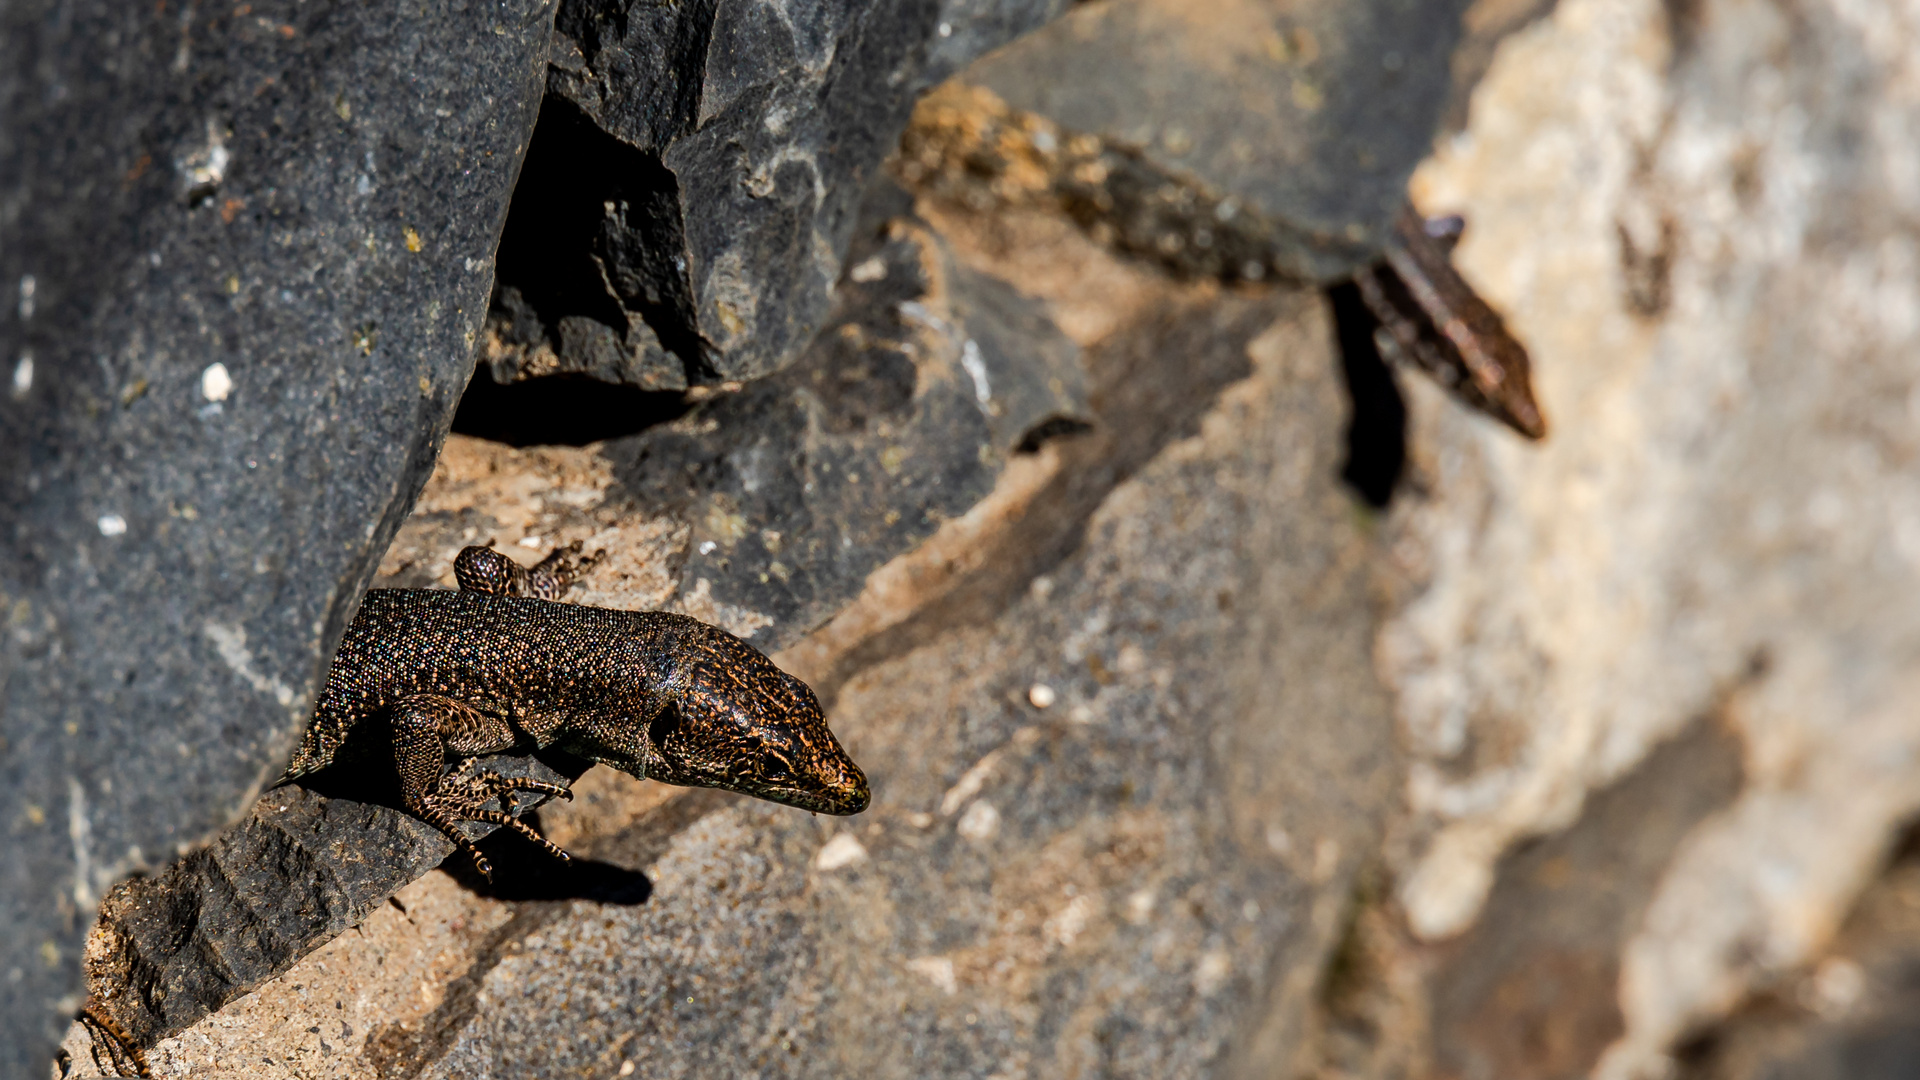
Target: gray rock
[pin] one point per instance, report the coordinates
(302, 868)
(697, 173)
(1311, 115)
(245, 256)
(898, 418)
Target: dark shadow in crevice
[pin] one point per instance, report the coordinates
(560, 410)
(1377, 424)
(1053, 427)
(594, 231)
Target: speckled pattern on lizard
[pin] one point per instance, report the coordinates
(501, 665)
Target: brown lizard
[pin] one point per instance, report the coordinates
(499, 665)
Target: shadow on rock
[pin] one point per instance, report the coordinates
(524, 872)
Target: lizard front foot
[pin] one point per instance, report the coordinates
(463, 797)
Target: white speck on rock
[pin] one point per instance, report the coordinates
(231, 643)
(1041, 696)
(207, 167)
(1140, 906)
(1071, 922)
(215, 383)
(80, 832)
(1211, 973)
(22, 375)
(980, 823)
(969, 784)
(28, 286)
(1837, 985)
(1278, 841)
(843, 850)
(874, 269)
(531, 542)
(937, 970)
(112, 525)
(977, 369)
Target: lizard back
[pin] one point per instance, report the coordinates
(508, 656)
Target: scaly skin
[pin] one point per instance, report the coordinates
(490, 668)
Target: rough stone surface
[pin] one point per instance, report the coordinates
(1700, 219)
(1635, 799)
(245, 252)
(1308, 114)
(698, 172)
(1137, 870)
(1848, 1014)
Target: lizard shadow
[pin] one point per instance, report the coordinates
(524, 872)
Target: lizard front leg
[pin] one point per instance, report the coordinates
(427, 729)
(484, 570)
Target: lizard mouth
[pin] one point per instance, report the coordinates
(839, 802)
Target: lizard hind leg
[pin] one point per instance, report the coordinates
(484, 570)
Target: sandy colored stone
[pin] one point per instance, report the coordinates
(1699, 221)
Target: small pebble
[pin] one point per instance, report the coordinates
(843, 850)
(980, 822)
(215, 383)
(112, 525)
(1042, 696)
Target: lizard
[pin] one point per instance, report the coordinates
(500, 664)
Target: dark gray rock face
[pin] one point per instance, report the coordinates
(245, 255)
(1309, 115)
(697, 174)
(302, 868)
(898, 418)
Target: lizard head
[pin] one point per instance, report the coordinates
(739, 723)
